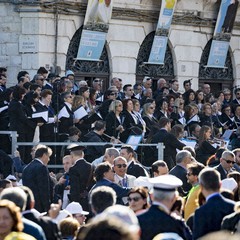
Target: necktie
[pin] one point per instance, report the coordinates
(124, 182)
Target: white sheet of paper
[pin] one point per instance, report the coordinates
(227, 134)
(134, 140)
(80, 113)
(187, 142)
(43, 115)
(3, 108)
(63, 113)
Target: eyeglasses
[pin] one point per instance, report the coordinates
(121, 165)
(228, 161)
(135, 199)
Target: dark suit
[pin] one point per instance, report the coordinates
(121, 192)
(78, 177)
(136, 170)
(222, 172)
(181, 173)
(171, 143)
(50, 228)
(36, 177)
(66, 122)
(209, 216)
(156, 221)
(111, 124)
(47, 129)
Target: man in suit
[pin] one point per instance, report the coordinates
(62, 188)
(36, 177)
(164, 196)
(209, 216)
(227, 161)
(121, 177)
(50, 228)
(105, 177)
(183, 158)
(159, 168)
(80, 176)
(171, 143)
(133, 168)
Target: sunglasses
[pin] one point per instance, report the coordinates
(97, 80)
(135, 199)
(229, 161)
(121, 165)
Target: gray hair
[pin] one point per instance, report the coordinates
(16, 195)
(181, 155)
(112, 152)
(119, 158)
(163, 195)
(227, 153)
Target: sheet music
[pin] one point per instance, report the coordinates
(63, 113)
(3, 108)
(80, 113)
(43, 115)
(227, 134)
(134, 140)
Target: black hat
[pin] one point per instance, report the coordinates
(75, 147)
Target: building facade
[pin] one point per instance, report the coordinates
(47, 33)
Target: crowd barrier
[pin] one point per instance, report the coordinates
(15, 144)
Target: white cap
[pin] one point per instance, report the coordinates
(62, 214)
(167, 236)
(142, 182)
(166, 182)
(75, 208)
(229, 184)
(124, 214)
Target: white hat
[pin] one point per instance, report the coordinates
(124, 214)
(69, 72)
(62, 215)
(75, 208)
(142, 182)
(229, 184)
(167, 236)
(166, 182)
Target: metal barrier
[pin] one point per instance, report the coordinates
(15, 144)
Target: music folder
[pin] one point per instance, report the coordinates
(40, 116)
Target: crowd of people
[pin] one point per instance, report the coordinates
(190, 193)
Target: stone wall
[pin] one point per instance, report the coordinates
(28, 35)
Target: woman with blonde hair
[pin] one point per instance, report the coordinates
(114, 119)
(10, 218)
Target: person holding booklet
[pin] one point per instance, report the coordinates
(65, 115)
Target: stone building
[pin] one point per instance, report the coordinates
(46, 33)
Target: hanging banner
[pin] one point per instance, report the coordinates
(159, 46)
(96, 24)
(222, 34)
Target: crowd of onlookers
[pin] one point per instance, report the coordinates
(200, 132)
